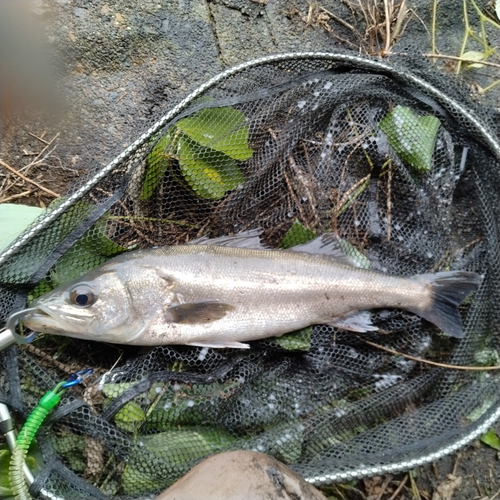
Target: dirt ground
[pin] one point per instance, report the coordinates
(43, 154)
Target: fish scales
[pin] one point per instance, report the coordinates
(300, 290)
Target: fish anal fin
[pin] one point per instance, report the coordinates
(194, 313)
(220, 345)
(357, 322)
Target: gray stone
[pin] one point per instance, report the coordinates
(79, 12)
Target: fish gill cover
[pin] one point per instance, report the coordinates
(398, 165)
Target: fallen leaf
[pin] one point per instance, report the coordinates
(446, 490)
(474, 56)
(14, 219)
(411, 136)
(491, 439)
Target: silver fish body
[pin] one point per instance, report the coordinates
(218, 296)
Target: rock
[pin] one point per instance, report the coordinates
(79, 12)
(235, 475)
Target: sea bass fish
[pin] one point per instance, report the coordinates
(223, 296)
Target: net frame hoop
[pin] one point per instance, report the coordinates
(402, 466)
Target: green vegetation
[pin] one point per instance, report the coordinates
(32, 461)
(298, 234)
(412, 137)
(207, 147)
(491, 439)
(14, 219)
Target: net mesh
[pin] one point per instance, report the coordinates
(399, 165)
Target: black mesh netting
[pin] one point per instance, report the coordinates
(399, 165)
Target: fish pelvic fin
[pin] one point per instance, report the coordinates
(220, 345)
(358, 322)
(449, 290)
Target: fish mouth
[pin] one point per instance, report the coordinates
(46, 320)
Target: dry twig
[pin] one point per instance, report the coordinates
(464, 59)
(41, 139)
(27, 179)
(433, 363)
(399, 488)
(15, 196)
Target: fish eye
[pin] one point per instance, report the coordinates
(82, 295)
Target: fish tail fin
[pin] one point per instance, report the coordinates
(449, 290)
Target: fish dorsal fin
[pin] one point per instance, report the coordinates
(336, 249)
(200, 312)
(245, 239)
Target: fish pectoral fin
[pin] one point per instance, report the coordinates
(194, 313)
(357, 322)
(220, 345)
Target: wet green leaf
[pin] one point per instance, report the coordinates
(208, 172)
(182, 445)
(6, 493)
(298, 234)
(207, 146)
(72, 448)
(96, 239)
(89, 252)
(183, 403)
(296, 341)
(357, 258)
(73, 216)
(14, 219)
(130, 417)
(220, 129)
(43, 287)
(68, 221)
(491, 439)
(157, 162)
(175, 447)
(5, 489)
(413, 137)
(487, 357)
(283, 441)
(5, 455)
(77, 261)
(114, 390)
